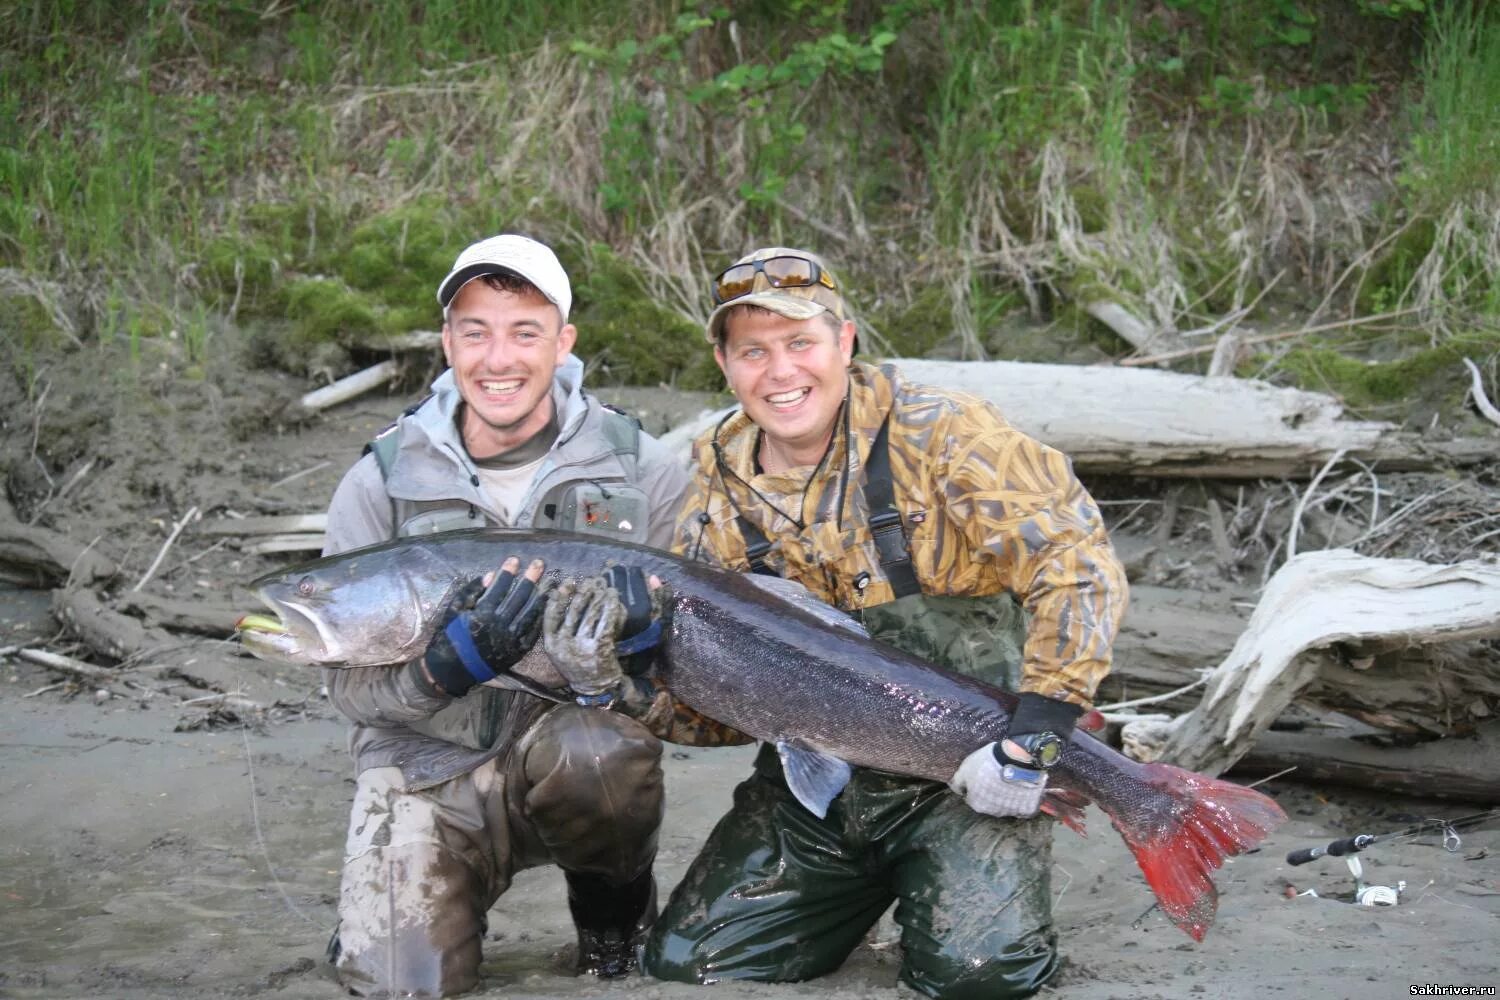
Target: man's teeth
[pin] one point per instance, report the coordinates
(783, 398)
(508, 386)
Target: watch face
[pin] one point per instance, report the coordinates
(1046, 749)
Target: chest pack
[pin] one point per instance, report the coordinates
(592, 505)
(886, 526)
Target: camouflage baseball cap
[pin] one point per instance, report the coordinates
(779, 279)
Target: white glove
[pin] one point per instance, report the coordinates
(998, 789)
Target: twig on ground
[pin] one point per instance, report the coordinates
(1486, 408)
(231, 700)
(44, 689)
(67, 487)
(1405, 512)
(192, 559)
(298, 475)
(162, 554)
(36, 420)
(1155, 698)
(1272, 777)
(66, 664)
(1291, 538)
(1264, 338)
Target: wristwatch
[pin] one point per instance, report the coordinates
(1044, 748)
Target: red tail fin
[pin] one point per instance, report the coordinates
(1210, 820)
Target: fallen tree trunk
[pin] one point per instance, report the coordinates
(1169, 424)
(103, 629)
(196, 616)
(1315, 601)
(350, 386)
(1466, 769)
(1135, 421)
(42, 558)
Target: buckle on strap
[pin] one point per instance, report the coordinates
(890, 536)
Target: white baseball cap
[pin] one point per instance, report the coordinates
(510, 254)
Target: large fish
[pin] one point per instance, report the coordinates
(766, 657)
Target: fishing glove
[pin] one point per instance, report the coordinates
(485, 631)
(579, 633)
(583, 629)
(1009, 777)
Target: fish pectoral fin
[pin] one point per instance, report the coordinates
(814, 776)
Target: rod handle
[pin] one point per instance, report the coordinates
(1337, 849)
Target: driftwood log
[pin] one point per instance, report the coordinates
(1465, 768)
(1158, 423)
(350, 386)
(1315, 602)
(210, 618)
(103, 629)
(39, 557)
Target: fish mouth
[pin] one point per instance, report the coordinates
(291, 634)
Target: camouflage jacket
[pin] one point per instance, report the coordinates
(987, 510)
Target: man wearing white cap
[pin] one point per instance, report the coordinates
(462, 783)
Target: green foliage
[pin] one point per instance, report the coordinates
(174, 170)
(323, 310)
(1426, 373)
(764, 96)
(1455, 134)
(629, 339)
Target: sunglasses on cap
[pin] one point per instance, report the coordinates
(781, 272)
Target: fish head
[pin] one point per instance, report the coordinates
(368, 607)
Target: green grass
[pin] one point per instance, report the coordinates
(311, 170)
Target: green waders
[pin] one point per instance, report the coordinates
(778, 895)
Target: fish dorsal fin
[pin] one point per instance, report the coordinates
(815, 777)
(794, 593)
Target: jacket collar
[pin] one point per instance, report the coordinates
(432, 463)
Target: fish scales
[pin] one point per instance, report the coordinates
(766, 657)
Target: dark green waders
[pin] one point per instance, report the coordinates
(778, 895)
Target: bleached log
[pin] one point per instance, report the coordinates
(1145, 422)
(1315, 601)
(1169, 424)
(1131, 328)
(350, 386)
(295, 542)
(249, 526)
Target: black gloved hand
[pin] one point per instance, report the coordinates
(485, 630)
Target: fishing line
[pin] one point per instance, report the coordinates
(260, 839)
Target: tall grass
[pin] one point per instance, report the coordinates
(1451, 171)
(315, 168)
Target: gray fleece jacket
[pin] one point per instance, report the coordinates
(433, 486)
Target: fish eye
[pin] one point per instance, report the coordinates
(307, 586)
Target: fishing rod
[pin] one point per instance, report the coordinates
(1357, 843)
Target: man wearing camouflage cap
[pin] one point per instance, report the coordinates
(922, 513)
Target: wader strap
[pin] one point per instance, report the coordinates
(756, 547)
(885, 520)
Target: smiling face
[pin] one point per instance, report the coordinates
(790, 376)
(504, 347)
